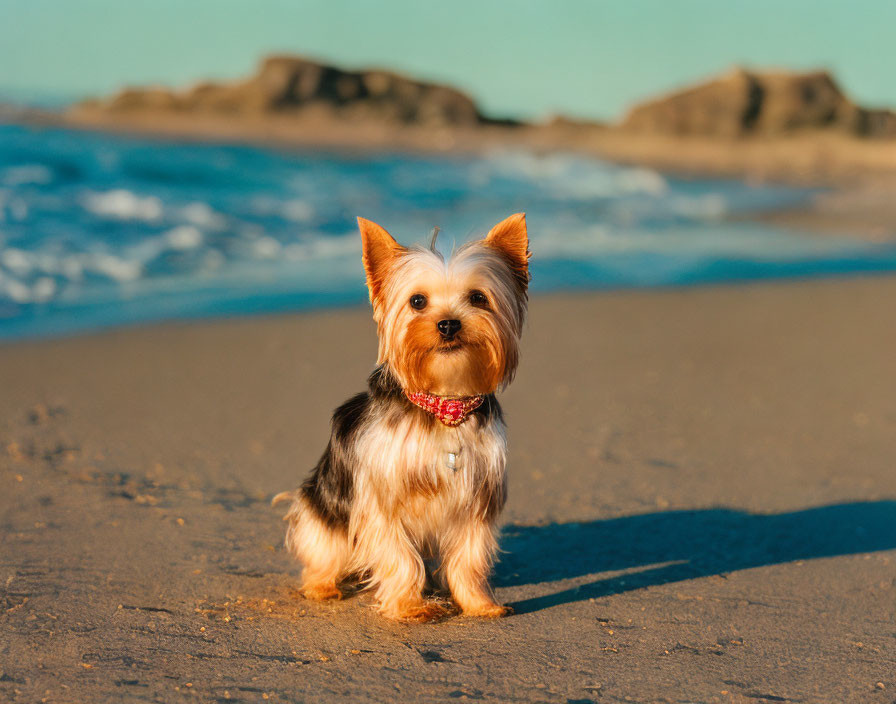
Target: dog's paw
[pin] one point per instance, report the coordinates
(321, 591)
(422, 612)
(488, 611)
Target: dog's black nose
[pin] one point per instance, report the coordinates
(448, 328)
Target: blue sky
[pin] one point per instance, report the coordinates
(525, 58)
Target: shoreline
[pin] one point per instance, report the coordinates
(163, 324)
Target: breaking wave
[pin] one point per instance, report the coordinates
(98, 230)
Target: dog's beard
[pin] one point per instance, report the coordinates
(448, 368)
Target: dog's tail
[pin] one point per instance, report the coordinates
(283, 496)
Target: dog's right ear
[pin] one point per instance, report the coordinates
(511, 238)
(380, 251)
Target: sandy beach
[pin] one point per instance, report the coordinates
(702, 508)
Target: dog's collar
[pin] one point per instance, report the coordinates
(450, 410)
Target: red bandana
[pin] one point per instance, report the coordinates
(450, 410)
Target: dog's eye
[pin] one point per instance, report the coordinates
(477, 298)
(418, 301)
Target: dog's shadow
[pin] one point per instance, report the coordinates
(678, 545)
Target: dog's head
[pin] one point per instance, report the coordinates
(449, 327)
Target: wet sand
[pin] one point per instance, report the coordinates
(702, 508)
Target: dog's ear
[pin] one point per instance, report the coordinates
(511, 239)
(380, 251)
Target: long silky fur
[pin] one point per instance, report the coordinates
(381, 499)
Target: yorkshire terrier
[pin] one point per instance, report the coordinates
(414, 474)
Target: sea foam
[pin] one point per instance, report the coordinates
(98, 231)
(123, 204)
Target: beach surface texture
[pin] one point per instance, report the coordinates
(702, 508)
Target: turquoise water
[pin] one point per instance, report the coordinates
(99, 231)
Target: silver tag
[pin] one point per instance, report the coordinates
(452, 461)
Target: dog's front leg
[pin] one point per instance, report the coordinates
(398, 574)
(467, 560)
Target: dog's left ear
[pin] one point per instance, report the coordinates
(380, 251)
(511, 239)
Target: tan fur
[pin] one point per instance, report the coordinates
(408, 505)
(409, 339)
(323, 552)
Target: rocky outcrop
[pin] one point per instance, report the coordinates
(745, 103)
(294, 85)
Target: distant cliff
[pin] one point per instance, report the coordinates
(745, 103)
(289, 85)
(739, 104)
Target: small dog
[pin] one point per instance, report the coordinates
(414, 470)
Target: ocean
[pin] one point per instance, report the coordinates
(100, 231)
